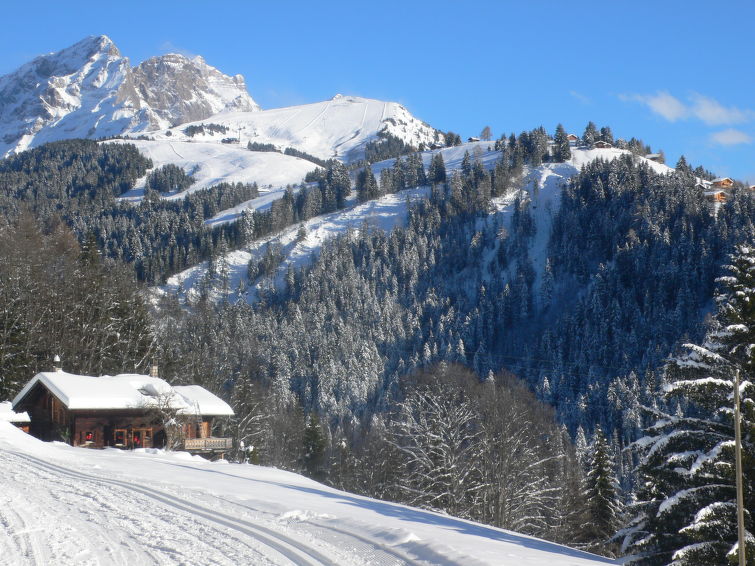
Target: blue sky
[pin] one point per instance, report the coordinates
(678, 75)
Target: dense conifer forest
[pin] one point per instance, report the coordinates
(434, 364)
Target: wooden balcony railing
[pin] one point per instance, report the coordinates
(208, 444)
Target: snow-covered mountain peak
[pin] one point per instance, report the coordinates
(84, 90)
(85, 50)
(90, 90)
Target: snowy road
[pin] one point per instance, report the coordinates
(144, 526)
(135, 532)
(73, 506)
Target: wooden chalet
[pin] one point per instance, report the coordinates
(122, 411)
(473, 139)
(722, 183)
(572, 138)
(654, 157)
(716, 196)
(600, 144)
(8, 415)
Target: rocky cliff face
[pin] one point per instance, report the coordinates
(91, 90)
(181, 90)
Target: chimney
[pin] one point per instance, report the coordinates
(56, 364)
(153, 370)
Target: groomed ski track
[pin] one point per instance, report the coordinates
(263, 545)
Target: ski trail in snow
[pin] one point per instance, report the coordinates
(364, 117)
(295, 551)
(385, 111)
(22, 539)
(175, 151)
(313, 120)
(278, 129)
(373, 551)
(356, 134)
(31, 517)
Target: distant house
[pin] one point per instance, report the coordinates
(600, 144)
(722, 183)
(8, 415)
(473, 139)
(123, 411)
(572, 138)
(654, 157)
(716, 196)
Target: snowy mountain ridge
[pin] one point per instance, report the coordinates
(337, 128)
(90, 90)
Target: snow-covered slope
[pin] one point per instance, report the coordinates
(391, 210)
(214, 163)
(64, 505)
(91, 90)
(385, 213)
(339, 127)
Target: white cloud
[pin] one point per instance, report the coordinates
(581, 97)
(662, 103)
(701, 107)
(170, 47)
(730, 137)
(714, 113)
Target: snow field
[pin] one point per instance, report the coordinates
(64, 505)
(214, 163)
(339, 127)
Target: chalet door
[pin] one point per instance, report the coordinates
(119, 437)
(142, 438)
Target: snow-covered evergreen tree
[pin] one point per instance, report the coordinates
(687, 496)
(590, 135)
(562, 151)
(601, 495)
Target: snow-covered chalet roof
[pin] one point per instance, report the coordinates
(125, 391)
(8, 415)
(206, 402)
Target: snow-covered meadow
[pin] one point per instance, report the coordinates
(62, 505)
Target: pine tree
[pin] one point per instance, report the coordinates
(682, 166)
(687, 495)
(590, 135)
(606, 135)
(367, 187)
(466, 163)
(337, 177)
(601, 494)
(314, 441)
(437, 171)
(561, 143)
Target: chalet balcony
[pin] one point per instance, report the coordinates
(210, 444)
